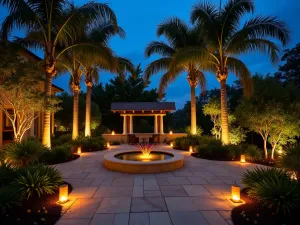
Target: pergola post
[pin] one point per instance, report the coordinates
(130, 125)
(161, 124)
(155, 124)
(125, 125)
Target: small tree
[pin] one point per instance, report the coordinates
(21, 96)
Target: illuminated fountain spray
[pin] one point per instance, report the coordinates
(146, 150)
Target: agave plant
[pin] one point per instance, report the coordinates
(145, 148)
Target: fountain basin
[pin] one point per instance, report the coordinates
(132, 162)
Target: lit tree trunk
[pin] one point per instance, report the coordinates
(50, 71)
(75, 111)
(224, 113)
(265, 148)
(193, 111)
(88, 109)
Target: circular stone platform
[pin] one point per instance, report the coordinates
(126, 166)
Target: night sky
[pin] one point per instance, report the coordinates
(139, 18)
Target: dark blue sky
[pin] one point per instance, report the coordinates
(139, 18)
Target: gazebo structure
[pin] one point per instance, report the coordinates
(128, 110)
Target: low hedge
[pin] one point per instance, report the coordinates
(90, 144)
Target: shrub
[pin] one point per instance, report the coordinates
(291, 160)
(278, 192)
(9, 196)
(7, 173)
(234, 151)
(23, 153)
(249, 178)
(253, 153)
(37, 180)
(187, 130)
(90, 143)
(183, 143)
(57, 154)
(237, 135)
(61, 140)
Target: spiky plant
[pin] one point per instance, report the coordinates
(279, 193)
(253, 154)
(38, 180)
(7, 173)
(9, 196)
(226, 39)
(291, 160)
(250, 178)
(23, 153)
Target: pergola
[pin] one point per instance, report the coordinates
(130, 109)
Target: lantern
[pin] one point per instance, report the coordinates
(63, 193)
(279, 151)
(171, 144)
(235, 193)
(79, 150)
(108, 144)
(191, 149)
(112, 133)
(171, 132)
(243, 159)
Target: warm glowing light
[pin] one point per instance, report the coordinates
(63, 193)
(171, 132)
(191, 150)
(112, 133)
(236, 193)
(108, 144)
(243, 159)
(171, 144)
(79, 150)
(279, 151)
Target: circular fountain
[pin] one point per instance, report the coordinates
(143, 161)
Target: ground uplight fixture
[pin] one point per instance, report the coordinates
(191, 150)
(79, 150)
(63, 194)
(243, 159)
(113, 133)
(170, 132)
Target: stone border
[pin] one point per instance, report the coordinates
(112, 163)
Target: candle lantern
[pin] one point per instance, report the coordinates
(191, 149)
(171, 144)
(63, 193)
(79, 150)
(235, 193)
(108, 144)
(171, 132)
(243, 158)
(113, 133)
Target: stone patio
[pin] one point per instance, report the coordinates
(197, 194)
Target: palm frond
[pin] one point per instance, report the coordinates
(160, 48)
(202, 81)
(157, 66)
(167, 78)
(125, 65)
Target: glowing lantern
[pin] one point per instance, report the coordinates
(63, 193)
(108, 144)
(243, 159)
(171, 144)
(171, 132)
(112, 133)
(279, 151)
(79, 150)
(191, 149)
(235, 193)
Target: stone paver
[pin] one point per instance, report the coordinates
(114, 205)
(190, 218)
(148, 205)
(193, 195)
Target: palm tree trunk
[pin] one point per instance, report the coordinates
(224, 113)
(75, 112)
(46, 138)
(193, 111)
(88, 110)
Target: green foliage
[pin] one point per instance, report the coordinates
(89, 144)
(61, 140)
(249, 178)
(253, 153)
(199, 130)
(280, 193)
(237, 135)
(23, 153)
(290, 160)
(58, 154)
(37, 180)
(9, 197)
(7, 173)
(183, 143)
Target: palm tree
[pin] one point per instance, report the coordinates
(47, 28)
(226, 39)
(179, 36)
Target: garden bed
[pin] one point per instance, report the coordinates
(69, 159)
(43, 210)
(252, 213)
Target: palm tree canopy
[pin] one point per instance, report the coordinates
(178, 36)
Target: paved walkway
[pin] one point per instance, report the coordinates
(194, 195)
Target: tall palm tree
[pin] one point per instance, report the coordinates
(179, 36)
(47, 27)
(227, 39)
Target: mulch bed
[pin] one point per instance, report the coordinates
(252, 212)
(36, 211)
(71, 158)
